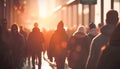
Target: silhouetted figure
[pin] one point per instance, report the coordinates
(23, 32)
(18, 45)
(57, 46)
(110, 58)
(3, 51)
(92, 31)
(35, 43)
(5, 43)
(102, 39)
(78, 47)
(99, 27)
(6, 36)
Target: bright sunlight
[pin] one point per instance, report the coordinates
(42, 8)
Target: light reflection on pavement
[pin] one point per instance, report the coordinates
(45, 64)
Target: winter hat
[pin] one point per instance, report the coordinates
(92, 25)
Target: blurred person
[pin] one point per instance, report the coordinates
(35, 43)
(99, 27)
(5, 33)
(102, 39)
(110, 58)
(6, 43)
(23, 32)
(92, 32)
(3, 52)
(18, 45)
(57, 47)
(78, 47)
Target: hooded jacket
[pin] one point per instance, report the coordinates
(97, 43)
(79, 49)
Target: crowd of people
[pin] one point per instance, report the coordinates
(85, 48)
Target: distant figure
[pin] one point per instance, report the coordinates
(78, 47)
(57, 46)
(92, 32)
(35, 42)
(99, 27)
(23, 32)
(110, 58)
(18, 44)
(102, 39)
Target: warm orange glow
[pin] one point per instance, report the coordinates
(43, 13)
(42, 8)
(15, 7)
(103, 48)
(24, 2)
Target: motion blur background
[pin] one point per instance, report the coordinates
(48, 12)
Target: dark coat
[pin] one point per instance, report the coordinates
(78, 51)
(35, 41)
(57, 46)
(110, 58)
(97, 43)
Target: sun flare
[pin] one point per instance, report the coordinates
(42, 8)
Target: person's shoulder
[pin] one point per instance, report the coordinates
(98, 39)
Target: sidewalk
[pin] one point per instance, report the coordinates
(45, 64)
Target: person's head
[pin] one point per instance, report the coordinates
(14, 28)
(21, 27)
(112, 17)
(99, 25)
(4, 24)
(35, 24)
(92, 25)
(82, 29)
(60, 25)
